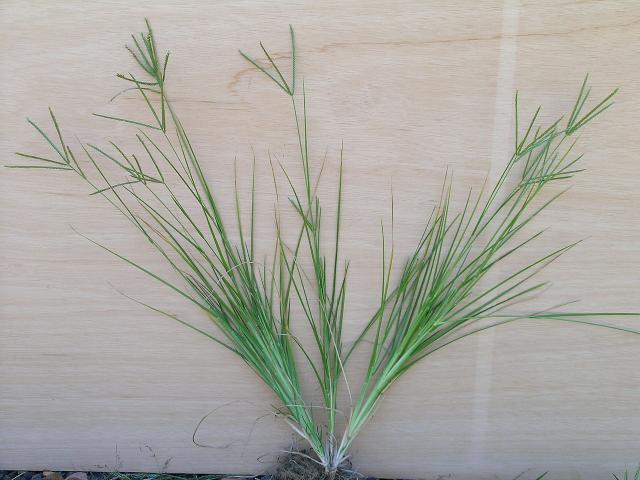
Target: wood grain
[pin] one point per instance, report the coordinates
(89, 380)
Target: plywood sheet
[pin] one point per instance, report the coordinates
(90, 380)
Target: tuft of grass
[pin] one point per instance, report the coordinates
(439, 298)
(627, 475)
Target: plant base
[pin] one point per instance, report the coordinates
(298, 467)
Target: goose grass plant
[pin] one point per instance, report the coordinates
(628, 475)
(440, 296)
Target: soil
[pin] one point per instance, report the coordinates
(299, 467)
(290, 467)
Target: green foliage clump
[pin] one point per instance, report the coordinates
(440, 296)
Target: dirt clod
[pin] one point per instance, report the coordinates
(52, 475)
(300, 467)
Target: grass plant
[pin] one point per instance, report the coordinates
(628, 475)
(443, 293)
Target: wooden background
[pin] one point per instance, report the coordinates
(89, 380)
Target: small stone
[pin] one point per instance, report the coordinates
(77, 476)
(47, 475)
